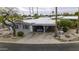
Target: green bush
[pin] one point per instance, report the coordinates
(74, 23)
(65, 29)
(20, 34)
(1, 18)
(36, 16)
(65, 23)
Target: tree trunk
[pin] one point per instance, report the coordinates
(12, 25)
(14, 31)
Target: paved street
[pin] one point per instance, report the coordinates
(39, 47)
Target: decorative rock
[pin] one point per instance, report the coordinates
(14, 37)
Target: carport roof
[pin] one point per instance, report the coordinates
(41, 21)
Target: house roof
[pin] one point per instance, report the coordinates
(41, 21)
(47, 20)
(65, 17)
(57, 17)
(70, 17)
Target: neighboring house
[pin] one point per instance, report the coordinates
(66, 17)
(58, 17)
(70, 17)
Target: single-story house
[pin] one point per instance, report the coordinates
(40, 25)
(37, 25)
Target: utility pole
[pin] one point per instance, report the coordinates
(56, 27)
(77, 30)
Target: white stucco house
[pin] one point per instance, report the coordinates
(43, 24)
(40, 25)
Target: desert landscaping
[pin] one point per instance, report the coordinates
(38, 29)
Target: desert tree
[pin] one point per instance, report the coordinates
(9, 14)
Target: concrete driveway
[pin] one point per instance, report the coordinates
(39, 38)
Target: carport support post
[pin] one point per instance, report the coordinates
(31, 28)
(44, 28)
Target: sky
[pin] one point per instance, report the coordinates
(48, 10)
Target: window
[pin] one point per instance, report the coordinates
(16, 26)
(25, 26)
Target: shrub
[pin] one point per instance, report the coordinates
(68, 36)
(74, 23)
(20, 34)
(65, 29)
(36, 16)
(65, 23)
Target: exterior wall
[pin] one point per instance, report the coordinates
(23, 27)
(29, 27)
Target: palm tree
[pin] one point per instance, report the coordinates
(56, 27)
(77, 30)
(32, 11)
(29, 11)
(37, 10)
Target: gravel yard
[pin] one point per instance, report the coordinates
(41, 38)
